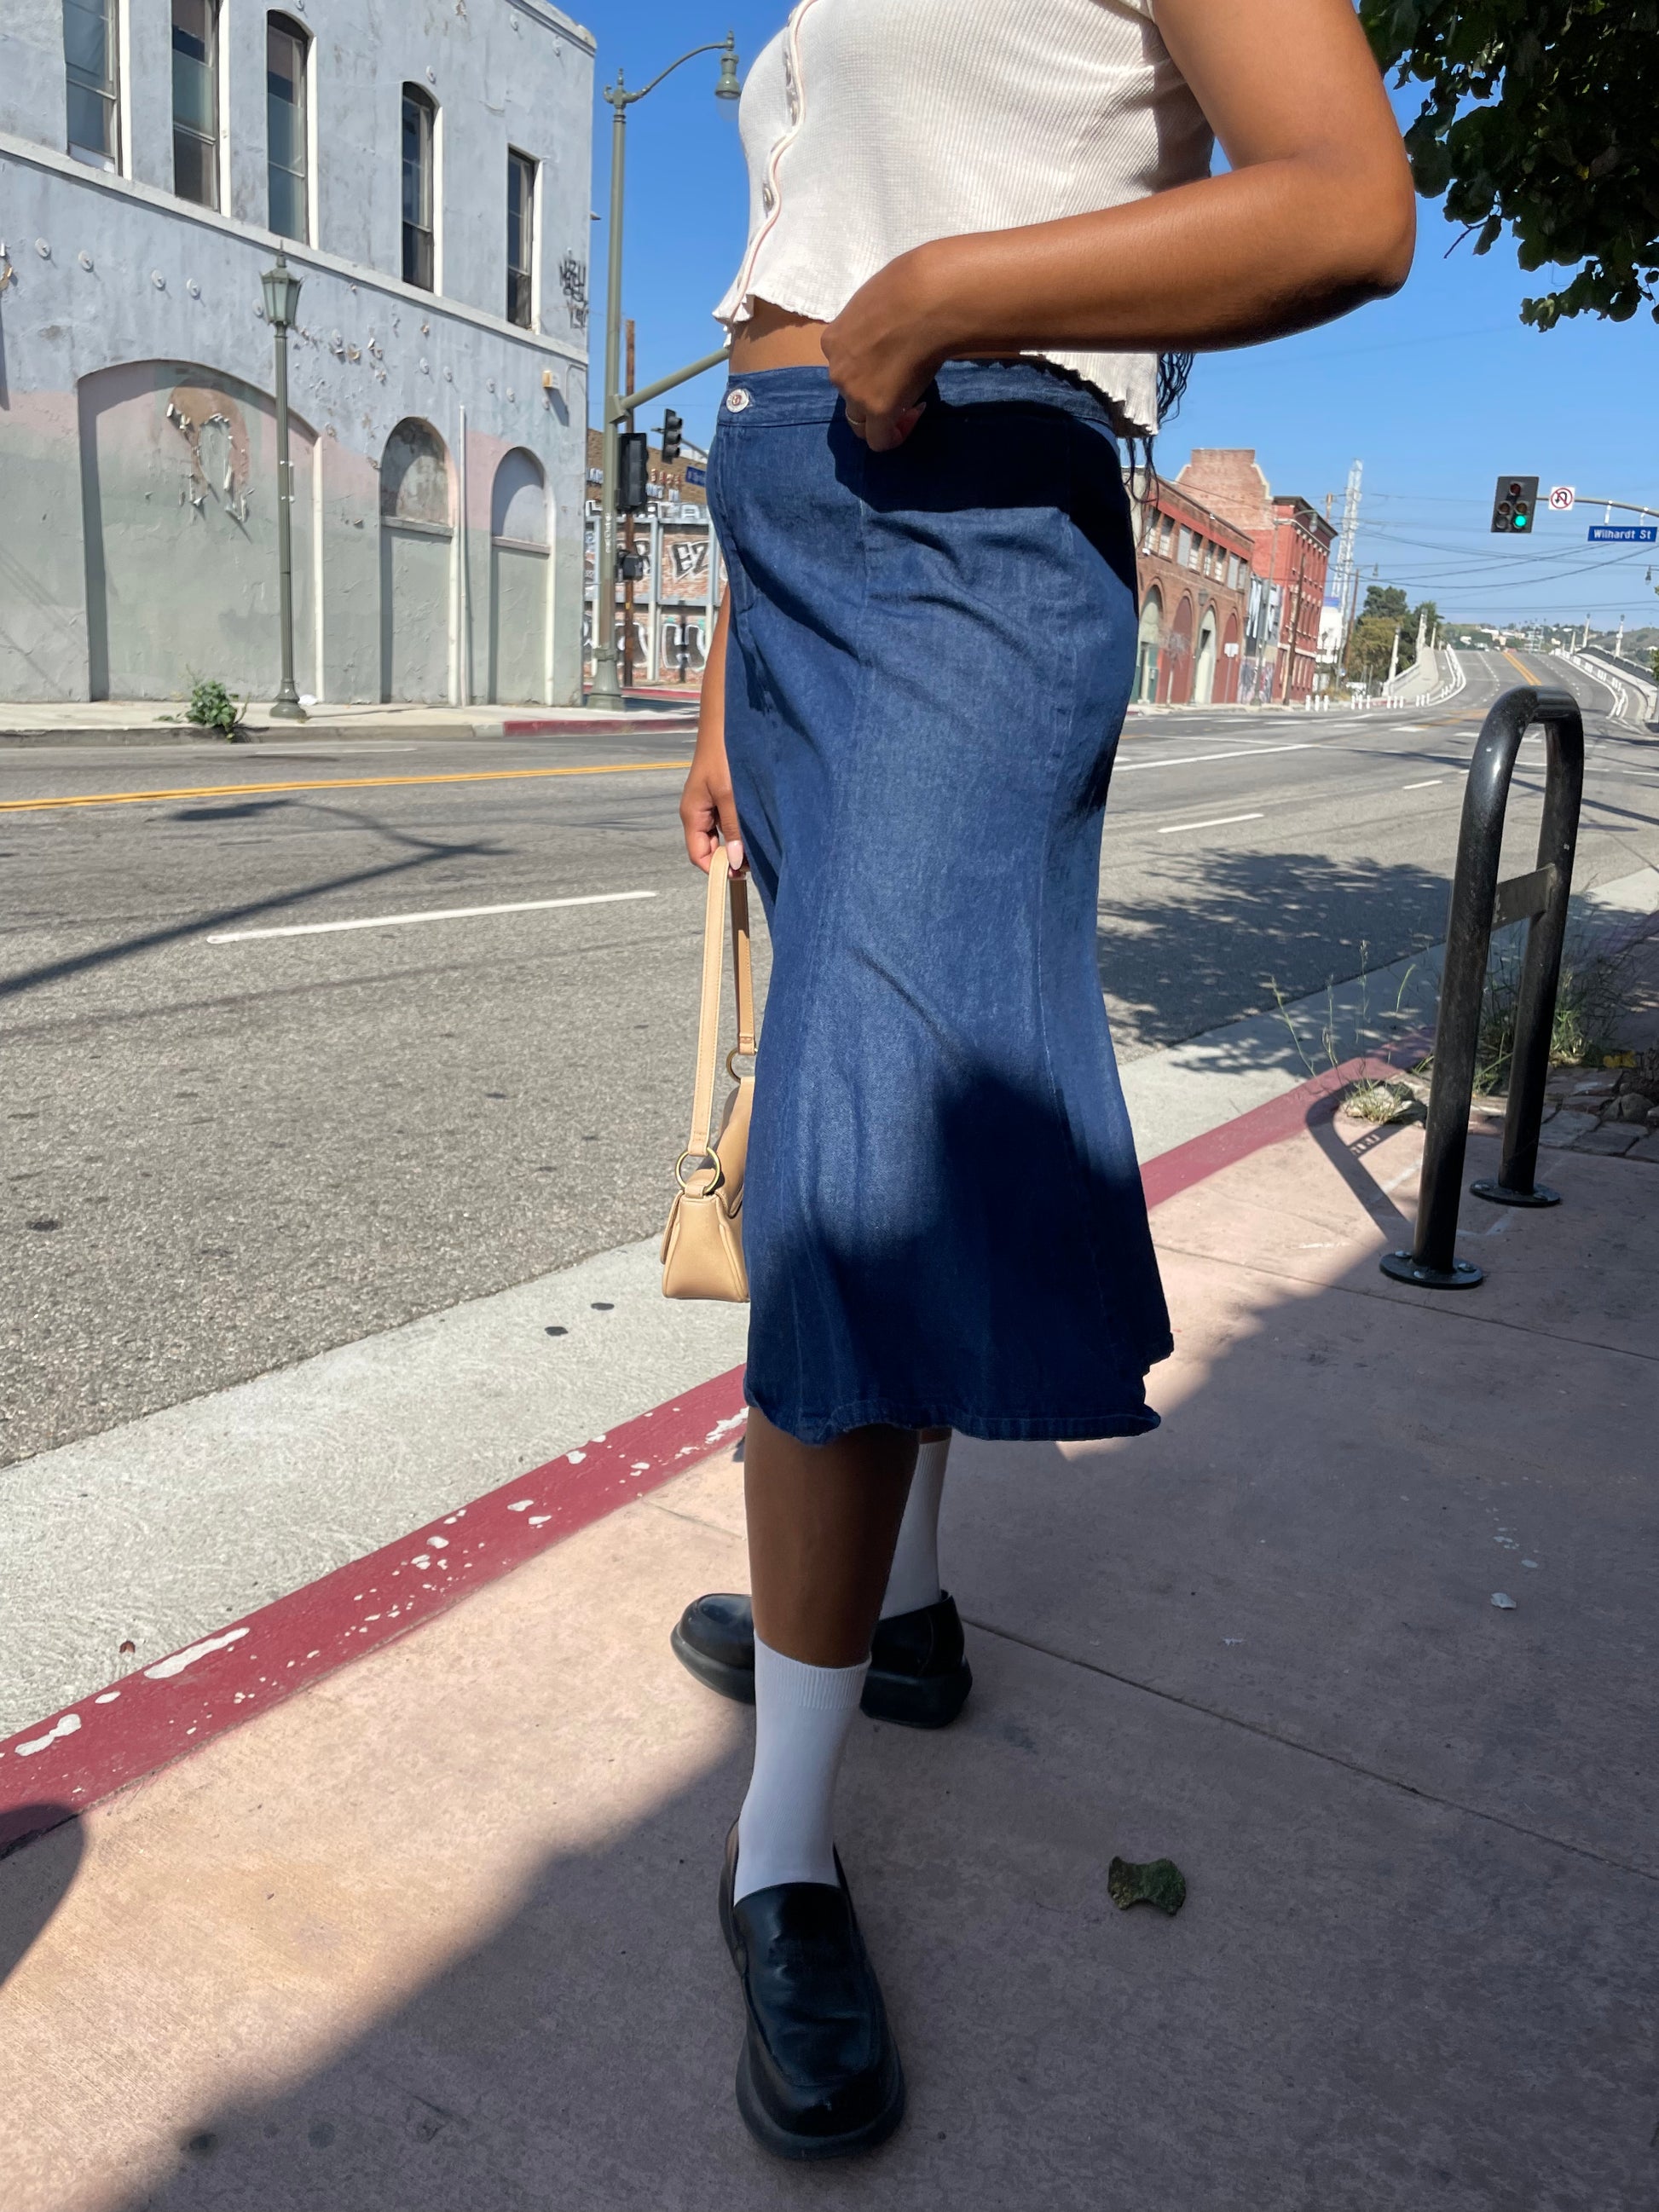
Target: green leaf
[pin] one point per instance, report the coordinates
(1159, 1882)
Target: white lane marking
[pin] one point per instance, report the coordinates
(1219, 821)
(437, 914)
(1188, 760)
(1429, 786)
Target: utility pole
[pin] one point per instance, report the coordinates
(605, 690)
(1345, 578)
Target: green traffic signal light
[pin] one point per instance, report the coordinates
(1513, 503)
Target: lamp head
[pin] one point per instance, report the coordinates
(728, 87)
(282, 290)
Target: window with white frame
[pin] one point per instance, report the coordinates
(91, 48)
(196, 101)
(288, 53)
(420, 132)
(520, 239)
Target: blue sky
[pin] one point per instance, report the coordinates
(1436, 390)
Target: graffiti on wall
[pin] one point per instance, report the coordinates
(685, 565)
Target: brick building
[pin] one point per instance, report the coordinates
(1194, 571)
(1302, 544)
(1291, 542)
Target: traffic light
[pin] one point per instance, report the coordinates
(671, 428)
(633, 473)
(1513, 503)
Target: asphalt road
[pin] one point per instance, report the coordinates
(226, 1149)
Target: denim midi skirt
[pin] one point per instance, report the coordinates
(930, 657)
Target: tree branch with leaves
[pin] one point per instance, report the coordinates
(1542, 116)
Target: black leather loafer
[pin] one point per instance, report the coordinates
(918, 1676)
(819, 2076)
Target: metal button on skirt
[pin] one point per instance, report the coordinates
(930, 657)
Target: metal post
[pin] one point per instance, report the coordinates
(285, 707)
(1479, 902)
(629, 543)
(606, 691)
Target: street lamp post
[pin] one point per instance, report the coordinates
(605, 690)
(282, 290)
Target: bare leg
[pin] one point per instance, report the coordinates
(822, 1522)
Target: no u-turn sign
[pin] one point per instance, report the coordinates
(1561, 497)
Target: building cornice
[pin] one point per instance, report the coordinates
(553, 18)
(303, 258)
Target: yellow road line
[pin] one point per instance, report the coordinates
(1530, 674)
(332, 783)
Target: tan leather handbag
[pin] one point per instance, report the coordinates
(703, 1244)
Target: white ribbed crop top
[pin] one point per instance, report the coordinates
(871, 126)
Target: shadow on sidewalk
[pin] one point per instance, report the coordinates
(1421, 1936)
(32, 1890)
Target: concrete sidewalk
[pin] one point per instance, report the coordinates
(153, 722)
(438, 1931)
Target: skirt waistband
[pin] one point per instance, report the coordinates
(763, 398)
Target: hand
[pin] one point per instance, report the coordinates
(709, 812)
(884, 350)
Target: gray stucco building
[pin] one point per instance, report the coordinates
(425, 166)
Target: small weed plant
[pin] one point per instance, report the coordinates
(1371, 1101)
(1588, 1000)
(212, 707)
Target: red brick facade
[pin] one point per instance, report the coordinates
(1194, 570)
(1302, 544)
(1291, 544)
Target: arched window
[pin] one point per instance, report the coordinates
(1148, 639)
(1204, 660)
(518, 504)
(288, 56)
(420, 135)
(414, 476)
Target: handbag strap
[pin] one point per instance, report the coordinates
(723, 889)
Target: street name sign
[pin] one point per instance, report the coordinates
(1624, 533)
(1561, 498)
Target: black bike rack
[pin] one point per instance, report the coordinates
(1479, 904)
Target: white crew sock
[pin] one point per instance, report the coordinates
(913, 1580)
(785, 1831)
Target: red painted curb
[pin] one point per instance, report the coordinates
(1271, 1123)
(58, 1766)
(53, 1770)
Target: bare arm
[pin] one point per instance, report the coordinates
(1315, 215)
(708, 813)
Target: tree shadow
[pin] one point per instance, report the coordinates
(1208, 942)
